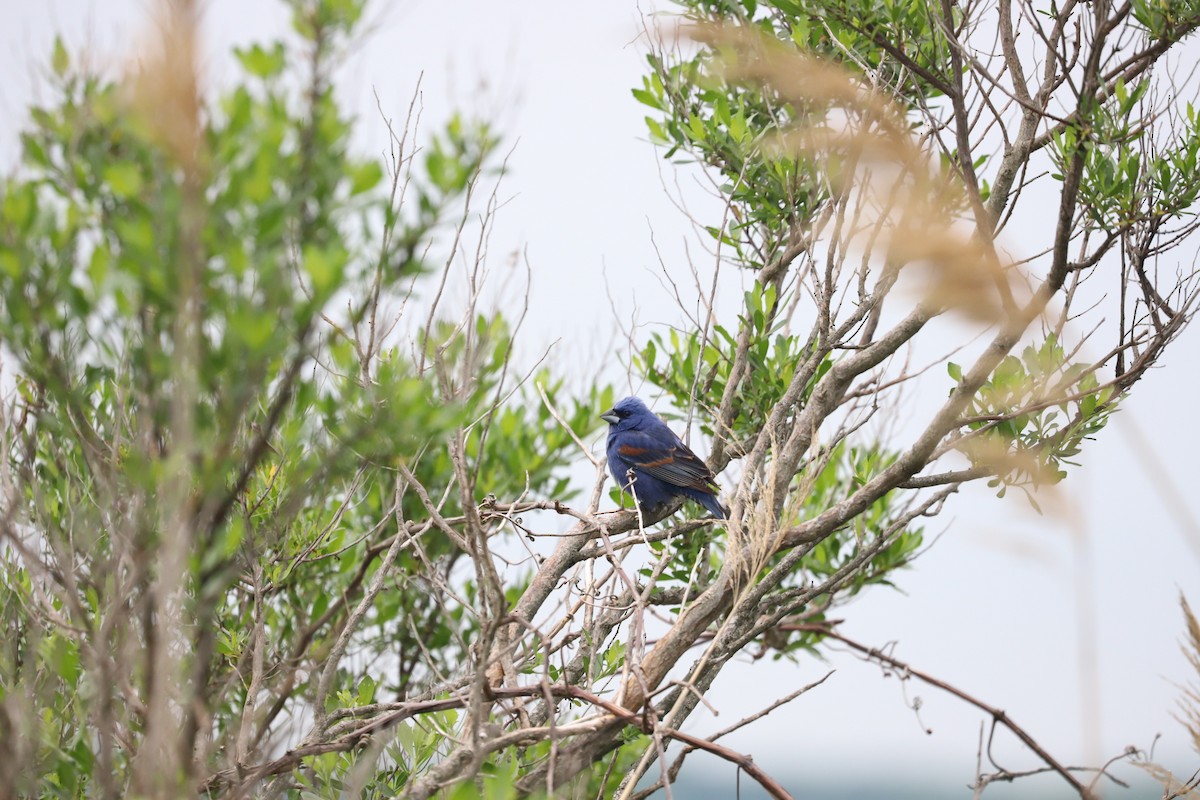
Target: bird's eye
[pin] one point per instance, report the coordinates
(622, 414)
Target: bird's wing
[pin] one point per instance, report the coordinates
(669, 460)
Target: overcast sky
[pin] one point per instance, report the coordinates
(1070, 623)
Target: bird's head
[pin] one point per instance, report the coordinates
(626, 414)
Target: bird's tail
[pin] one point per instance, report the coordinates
(711, 502)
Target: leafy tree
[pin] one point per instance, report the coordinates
(252, 544)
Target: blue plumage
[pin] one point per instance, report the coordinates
(662, 466)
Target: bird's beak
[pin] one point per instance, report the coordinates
(610, 417)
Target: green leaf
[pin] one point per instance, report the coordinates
(124, 179)
(260, 62)
(365, 176)
(10, 264)
(136, 233)
(60, 61)
(66, 659)
(645, 98)
(366, 690)
(253, 328)
(19, 207)
(324, 267)
(98, 265)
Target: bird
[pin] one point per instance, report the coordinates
(650, 462)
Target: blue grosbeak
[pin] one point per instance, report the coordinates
(662, 467)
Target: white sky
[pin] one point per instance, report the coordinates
(998, 607)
